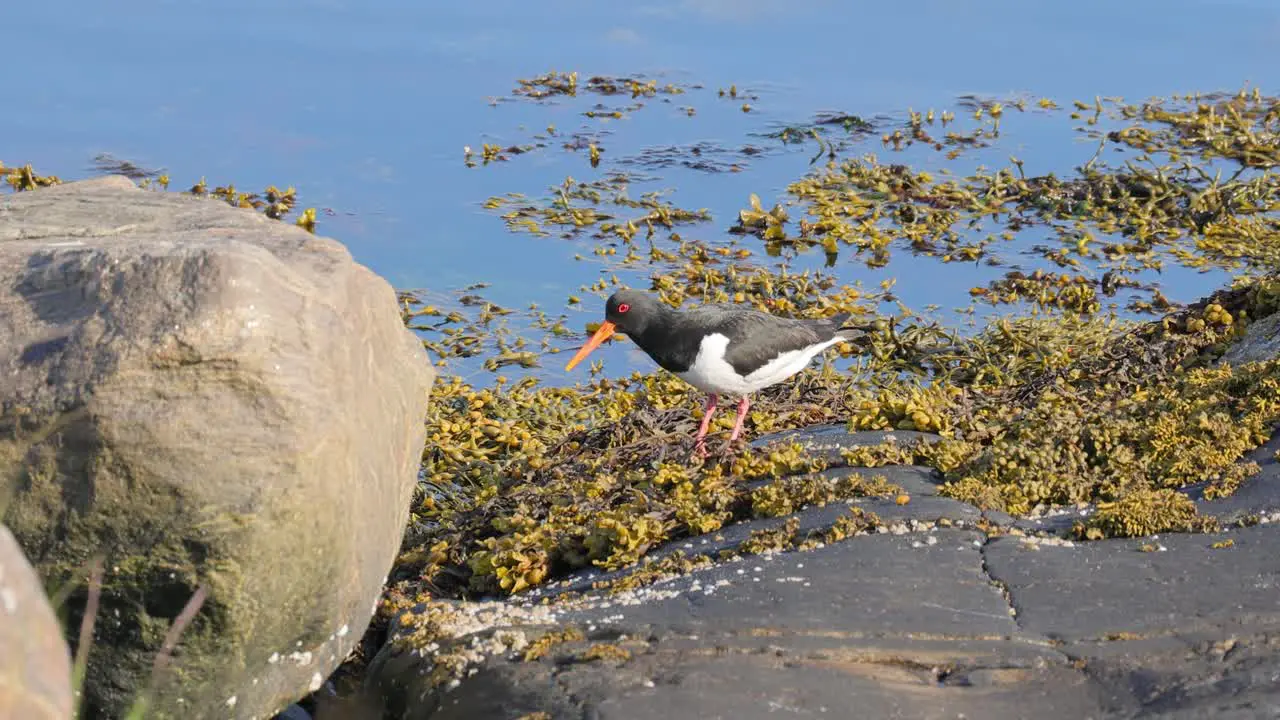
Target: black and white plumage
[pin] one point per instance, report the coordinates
(721, 349)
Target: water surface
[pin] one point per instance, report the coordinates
(366, 107)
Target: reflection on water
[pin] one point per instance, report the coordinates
(366, 108)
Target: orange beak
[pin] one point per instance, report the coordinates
(606, 330)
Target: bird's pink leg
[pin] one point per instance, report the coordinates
(699, 445)
(743, 404)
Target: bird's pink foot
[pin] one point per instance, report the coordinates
(743, 405)
(699, 442)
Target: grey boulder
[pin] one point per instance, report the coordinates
(207, 398)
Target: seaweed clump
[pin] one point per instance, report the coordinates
(1144, 512)
(272, 202)
(1146, 411)
(1028, 414)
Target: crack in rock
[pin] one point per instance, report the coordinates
(1000, 585)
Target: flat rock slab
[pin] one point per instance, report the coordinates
(854, 587)
(1112, 587)
(932, 624)
(208, 398)
(909, 624)
(1187, 630)
(852, 681)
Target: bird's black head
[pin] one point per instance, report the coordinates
(631, 311)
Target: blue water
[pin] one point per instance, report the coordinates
(366, 106)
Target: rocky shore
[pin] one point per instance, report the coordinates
(228, 408)
(941, 611)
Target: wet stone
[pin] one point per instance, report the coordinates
(905, 625)
(1055, 521)
(781, 628)
(1091, 590)
(1260, 342)
(999, 518)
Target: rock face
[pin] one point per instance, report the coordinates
(35, 667)
(1261, 342)
(206, 397)
(935, 618)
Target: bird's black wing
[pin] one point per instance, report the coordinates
(757, 337)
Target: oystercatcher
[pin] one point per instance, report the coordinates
(721, 349)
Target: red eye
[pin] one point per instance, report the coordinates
(623, 307)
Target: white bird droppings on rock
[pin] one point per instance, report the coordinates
(316, 681)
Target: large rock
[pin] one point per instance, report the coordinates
(35, 668)
(933, 618)
(206, 397)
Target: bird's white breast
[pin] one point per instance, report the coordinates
(711, 373)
